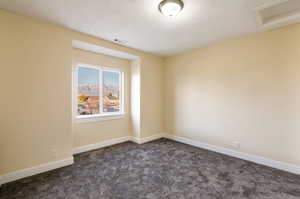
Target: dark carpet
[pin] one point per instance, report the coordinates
(159, 169)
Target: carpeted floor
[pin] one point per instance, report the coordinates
(159, 169)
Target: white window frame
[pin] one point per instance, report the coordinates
(101, 115)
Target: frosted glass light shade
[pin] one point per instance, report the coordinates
(171, 8)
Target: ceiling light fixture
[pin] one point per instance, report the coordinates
(170, 8)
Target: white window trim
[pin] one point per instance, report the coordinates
(101, 116)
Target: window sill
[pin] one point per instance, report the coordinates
(96, 118)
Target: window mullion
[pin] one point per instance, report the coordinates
(100, 91)
(121, 92)
(75, 92)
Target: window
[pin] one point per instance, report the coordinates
(98, 92)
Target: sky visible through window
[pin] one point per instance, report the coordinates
(90, 76)
(111, 78)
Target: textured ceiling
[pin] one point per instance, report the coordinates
(139, 23)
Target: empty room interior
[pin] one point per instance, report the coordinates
(150, 99)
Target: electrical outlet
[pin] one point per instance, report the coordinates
(236, 145)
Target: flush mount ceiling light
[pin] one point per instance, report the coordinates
(170, 8)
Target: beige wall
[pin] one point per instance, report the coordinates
(35, 85)
(151, 97)
(35, 116)
(135, 99)
(245, 90)
(92, 132)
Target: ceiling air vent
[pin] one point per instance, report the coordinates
(278, 13)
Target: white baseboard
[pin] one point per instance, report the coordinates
(253, 158)
(147, 139)
(102, 144)
(35, 170)
(111, 142)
